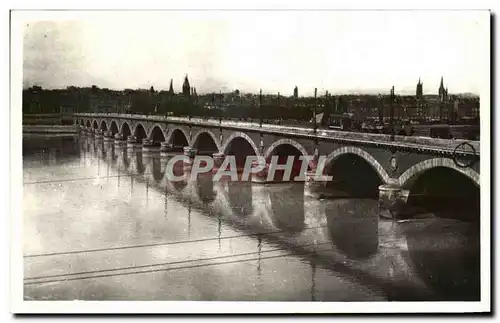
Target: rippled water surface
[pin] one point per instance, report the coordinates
(102, 223)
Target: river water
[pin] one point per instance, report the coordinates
(101, 222)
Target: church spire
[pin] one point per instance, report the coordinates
(171, 89)
(442, 90)
(186, 88)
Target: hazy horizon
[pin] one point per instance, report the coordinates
(344, 52)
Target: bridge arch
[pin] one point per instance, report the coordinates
(156, 135)
(226, 145)
(280, 142)
(202, 135)
(104, 125)
(364, 155)
(178, 136)
(283, 149)
(152, 128)
(139, 131)
(125, 130)
(88, 124)
(95, 125)
(409, 176)
(113, 127)
(439, 187)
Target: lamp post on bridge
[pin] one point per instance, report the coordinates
(314, 114)
(279, 108)
(260, 107)
(391, 114)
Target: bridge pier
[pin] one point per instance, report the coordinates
(148, 146)
(132, 142)
(163, 163)
(190, 152)
(90, 131)
(119, 138)
(108, 136)
(260, 177)
(218, 160)
(392, 199)
(313, 186)
(98, 134)
(166, 148)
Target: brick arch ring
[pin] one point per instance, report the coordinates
(96, 121)
(162, 128)
(409, 176)
(210, 133)
(146, 130)
(118, 125)
(168, 138)
(235, 135)
(105, 122)
(280, 142)
(363, 154)
(122, 124)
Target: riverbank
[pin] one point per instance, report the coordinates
(50, 129)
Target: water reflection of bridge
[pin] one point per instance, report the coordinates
(346, 234)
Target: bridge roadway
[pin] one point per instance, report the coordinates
(398, 162)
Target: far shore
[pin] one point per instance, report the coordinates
(50, 129)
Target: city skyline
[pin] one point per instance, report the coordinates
(219, 52)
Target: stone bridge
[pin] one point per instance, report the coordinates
(297, 221)
(393, 166)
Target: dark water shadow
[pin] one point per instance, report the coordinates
(205, 188)
(353, 227)
(287, 203)
(446, 255)
(156, 169)
(140, 167)
(240, 197)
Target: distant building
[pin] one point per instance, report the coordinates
(186, 88)
(420, 89)
(443, 92)
(171, 89)
(295, 92)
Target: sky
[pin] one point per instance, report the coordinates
(338, 51)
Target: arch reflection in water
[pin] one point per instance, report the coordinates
(177, 171)
(287, 204)
(157, 169)
(445, 253)
(140, 167)
(111, 152)
(353, 226)
(125, 158)
(205, 187)
(240, 197)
